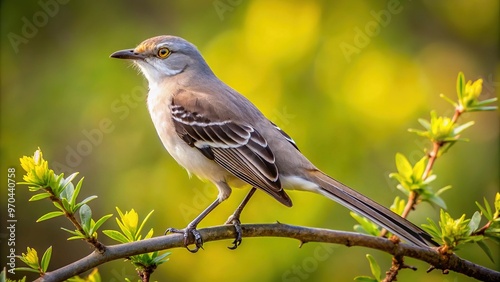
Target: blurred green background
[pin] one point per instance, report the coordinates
(345, 79)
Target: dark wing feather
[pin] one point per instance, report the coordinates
(287, 137)
(238, 148)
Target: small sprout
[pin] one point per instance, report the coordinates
(491, 230)
(398, 205)
(37, 171)
(441, 130)
(468, 96)
(375, 269)
(63, 194)
(30, 258)
(454, 232)
(411, 179)
(128, 223)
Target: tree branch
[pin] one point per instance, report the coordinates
(303, 234)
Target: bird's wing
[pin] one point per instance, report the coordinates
(237, 147)
(286, 136)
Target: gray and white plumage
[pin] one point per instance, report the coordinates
(219, 135)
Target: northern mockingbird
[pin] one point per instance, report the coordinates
(219, 135)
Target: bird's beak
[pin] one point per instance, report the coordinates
(128, 54)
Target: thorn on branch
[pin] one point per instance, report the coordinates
(348, 243)
(431, 268)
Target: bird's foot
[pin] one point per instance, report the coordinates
(198, 241)
(235, 221)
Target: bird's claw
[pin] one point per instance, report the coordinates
(237, 225)
(198, 241)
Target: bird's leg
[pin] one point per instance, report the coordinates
(224, 192)
(191, 228)
(234, 219)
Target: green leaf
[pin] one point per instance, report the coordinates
(487, 101)
(375, 268)
(419, 132)
(50, 215)
(40, 196)
(115, 235)
(418, 169)
(99, 223)
(57, 205)
(497, 202)
(398, 177)
(448, 100)
(160, 259)
(149, 234)
(89, 198)
(57, 184)
(434, 199)
(68, 180)
(433, 230)
(46, 259)
(474, 222)
(364, 279)
(66, 188)
(398, 205)
(366, 226)
(482, 109)
(26, 269)
(486, 249)
(75, 193)
(144, 222)
(429, 179)
(74, 232)
(486, 210)
(85, 201)
(120, 213)
(85, 217)
(125, 231)
(403, 165)
(403, 189)
(359, 229)
(442, 190)
(66, 204)
(460, 85)
(458, 129)
(425, 124)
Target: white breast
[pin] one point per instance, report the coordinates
(159, 100)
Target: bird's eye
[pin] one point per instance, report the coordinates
(163, 53)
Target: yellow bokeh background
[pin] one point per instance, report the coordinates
(347, 109)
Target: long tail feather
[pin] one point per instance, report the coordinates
(375, 212)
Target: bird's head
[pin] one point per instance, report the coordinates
(164, 56)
